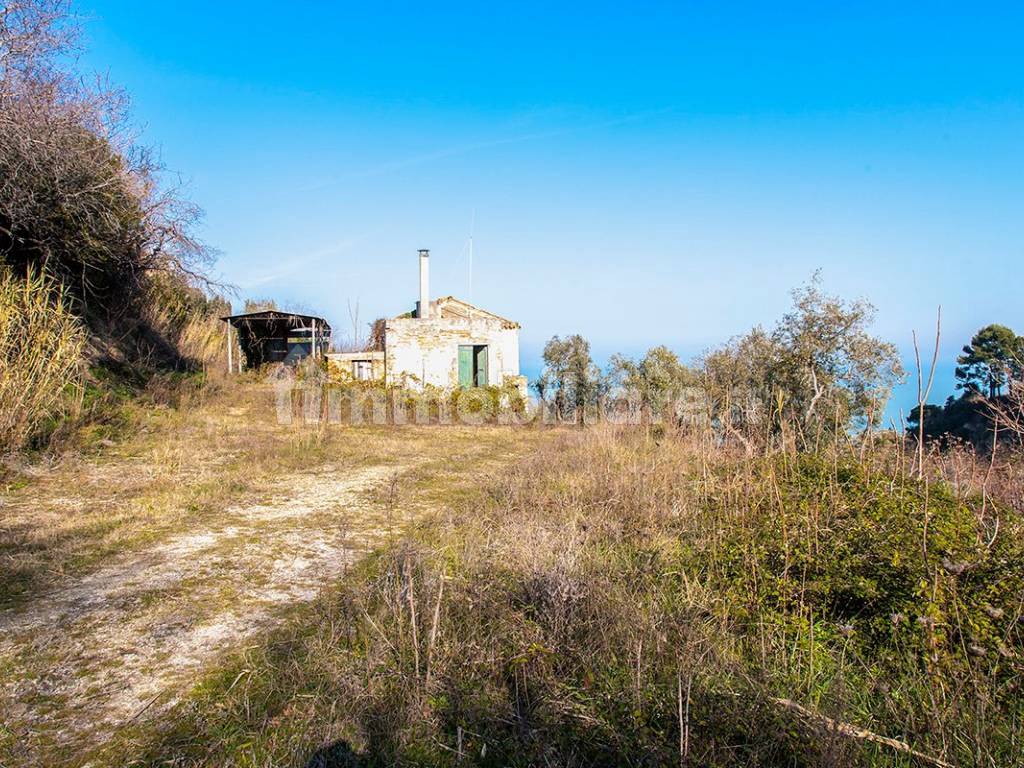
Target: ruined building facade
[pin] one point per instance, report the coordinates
(444, 343)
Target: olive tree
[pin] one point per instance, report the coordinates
(818, 368)
(656, 380)
(571, 377)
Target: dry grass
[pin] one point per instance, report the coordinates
(598, 597)
(126, 571)
(41, 343)
(621, 600)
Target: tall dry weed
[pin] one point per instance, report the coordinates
(41, 344)
(631, 598)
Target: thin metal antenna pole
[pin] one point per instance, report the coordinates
(472, 222)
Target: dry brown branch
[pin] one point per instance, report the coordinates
(924, 390)
(434, 626)
(863, 734)
(1008, 411)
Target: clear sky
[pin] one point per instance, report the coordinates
(638, 173)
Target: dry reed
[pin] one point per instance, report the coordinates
(41, 344)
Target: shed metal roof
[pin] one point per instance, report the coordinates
(274, 314)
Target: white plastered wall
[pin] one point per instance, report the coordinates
(426, 351)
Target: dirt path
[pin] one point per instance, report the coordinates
(151, 563)
(131, 636)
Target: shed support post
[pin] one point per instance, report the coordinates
(229, 347)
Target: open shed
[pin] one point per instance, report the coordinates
(272, 336)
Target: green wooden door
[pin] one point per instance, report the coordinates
(465, 367)
(481, 366)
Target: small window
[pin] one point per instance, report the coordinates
(362, 370)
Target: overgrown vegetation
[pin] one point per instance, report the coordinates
(78, 198)
(41, 344)
(89, 226)
(620, 600)
(776, 583)
(768, 581)
(121, 572)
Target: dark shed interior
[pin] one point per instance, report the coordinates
(272, 336)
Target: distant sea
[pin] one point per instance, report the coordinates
(903, 400)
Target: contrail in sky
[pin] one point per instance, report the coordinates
(462, 149)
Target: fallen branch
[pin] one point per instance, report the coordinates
(856, 732)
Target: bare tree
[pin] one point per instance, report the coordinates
(32, 32)
(1008, 413)
(357, 331)
(79, 198)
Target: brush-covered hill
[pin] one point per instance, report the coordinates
(101, 273)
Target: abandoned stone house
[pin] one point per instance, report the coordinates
(445, 343)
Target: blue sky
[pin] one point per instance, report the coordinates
(643, 174)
